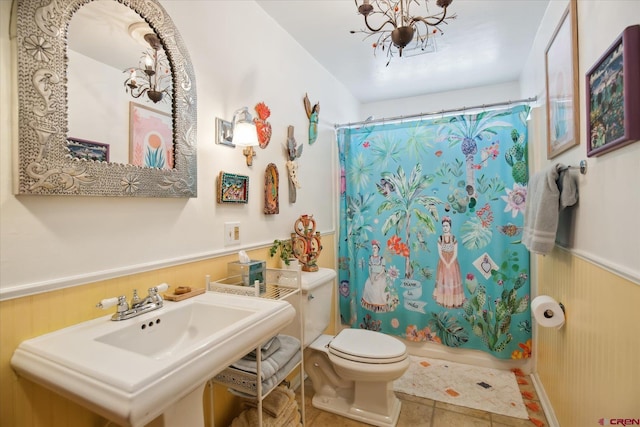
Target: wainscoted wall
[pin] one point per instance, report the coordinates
(26, 404)
(589, 368)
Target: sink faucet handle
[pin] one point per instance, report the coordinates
(107, 303)
(120, 301)
(162, 287)
(154, 293)
(156, 289)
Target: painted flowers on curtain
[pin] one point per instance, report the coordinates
(431, 216)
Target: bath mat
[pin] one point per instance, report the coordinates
(487, 389)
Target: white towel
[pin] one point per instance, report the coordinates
(247, 382)
(280, 375)
(266, 350)
(548, 192)
(289, 346)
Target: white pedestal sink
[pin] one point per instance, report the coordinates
(153, 367)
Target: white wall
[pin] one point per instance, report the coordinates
(95, 111)
(433, 103)
(240, 57)
(604, 227)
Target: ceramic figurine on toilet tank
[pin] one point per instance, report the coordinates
(305, 241)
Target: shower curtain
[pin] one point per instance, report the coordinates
(430, 225)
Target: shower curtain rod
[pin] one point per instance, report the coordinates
(435, 113)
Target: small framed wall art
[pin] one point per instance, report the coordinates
(232, 188)
(82, 149)
(613, 95)
(561, 72)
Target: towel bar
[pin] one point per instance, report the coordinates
(582, 167)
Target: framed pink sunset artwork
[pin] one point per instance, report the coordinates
(150, 137)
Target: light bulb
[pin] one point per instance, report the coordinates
(148, 62)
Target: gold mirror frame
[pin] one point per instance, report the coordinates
(44, 165)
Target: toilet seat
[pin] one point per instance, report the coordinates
(364, 346)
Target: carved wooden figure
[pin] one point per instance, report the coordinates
(271, 190)
(293, 152)
(312, 114)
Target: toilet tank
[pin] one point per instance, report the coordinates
(317, 299)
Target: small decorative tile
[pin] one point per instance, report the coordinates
(451, 392)
(537, 422)
(527, 395)
(533, 406)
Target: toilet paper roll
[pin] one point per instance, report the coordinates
(547, 312)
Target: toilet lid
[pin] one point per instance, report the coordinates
(364, 345)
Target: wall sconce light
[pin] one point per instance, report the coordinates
(244, 133)
(241, 132)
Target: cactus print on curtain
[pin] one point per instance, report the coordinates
(430, 226)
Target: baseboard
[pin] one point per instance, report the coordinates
(466, 356)
(544, 401)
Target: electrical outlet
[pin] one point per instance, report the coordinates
(231, 233)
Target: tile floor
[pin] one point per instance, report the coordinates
(419, 412)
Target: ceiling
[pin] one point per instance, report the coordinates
(103, 30)
(488, 43)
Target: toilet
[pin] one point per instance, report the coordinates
(353, 372)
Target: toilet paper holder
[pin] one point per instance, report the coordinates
(548, 313)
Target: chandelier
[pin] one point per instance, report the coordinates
(396, 27)
(153, 75)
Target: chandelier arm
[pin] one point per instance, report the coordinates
(408, 7)
(386, 3)
(375, 30)
(427, 23)
(140, 93)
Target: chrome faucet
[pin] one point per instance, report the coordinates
(124, 310)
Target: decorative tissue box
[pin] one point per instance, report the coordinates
(249, 272)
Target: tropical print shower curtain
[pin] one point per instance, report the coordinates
(430, 226)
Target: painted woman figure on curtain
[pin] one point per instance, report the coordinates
(448, 291)
(375, 296)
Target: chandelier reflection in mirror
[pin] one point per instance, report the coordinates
(398, 24)
(153, 75)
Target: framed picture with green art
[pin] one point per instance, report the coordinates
(613, 95)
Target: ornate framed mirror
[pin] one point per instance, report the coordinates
(50, 161)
